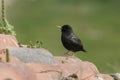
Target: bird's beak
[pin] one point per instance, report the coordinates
(59, 27)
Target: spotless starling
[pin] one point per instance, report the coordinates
(69, 40)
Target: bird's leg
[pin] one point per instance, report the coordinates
(73, 54)
(67, 53)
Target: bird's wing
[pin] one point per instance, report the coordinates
(75, 40)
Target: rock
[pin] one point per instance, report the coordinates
(7, 40)
(66, 69)
(116, 76)
(46, 71)
(14, 60)
(11, 58)
(73, 65)
(28, 55)
(10, 71)
(104, 77)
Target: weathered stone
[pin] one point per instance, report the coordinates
(115, 76)
(73, 65)
(28, 55)
(105, 77)
(10, 71)
(7, 40)
(66, 69)
(46, 71)
(11, 58)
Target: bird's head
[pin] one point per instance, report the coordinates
(66, 28)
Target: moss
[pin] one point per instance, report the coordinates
(0, 59)
(7, 56)
(37, 44)
(5, 27)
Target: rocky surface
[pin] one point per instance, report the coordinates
(40, 64)
(28, 55)
(70, 68)
(7, 40)
(11, 71)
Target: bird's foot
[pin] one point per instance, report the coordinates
(66, 53)
(69, 55)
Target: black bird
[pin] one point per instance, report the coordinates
(70, 41)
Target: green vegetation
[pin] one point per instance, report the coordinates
(96, 22)
(7, 56)
(37, 44)
(5, 27)
(0, 59)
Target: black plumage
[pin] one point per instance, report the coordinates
(69, 40)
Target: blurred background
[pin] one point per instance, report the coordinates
(96, 22)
